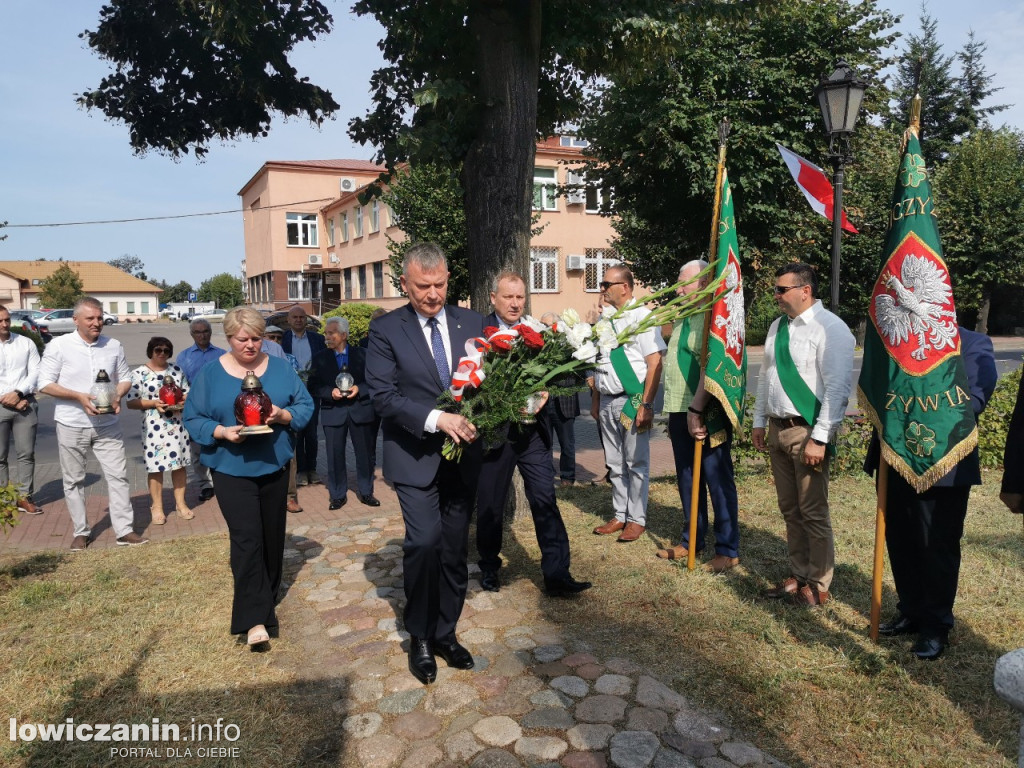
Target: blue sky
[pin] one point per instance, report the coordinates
(61, 164)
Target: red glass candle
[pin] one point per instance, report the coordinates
(252, 406)
(170, 392)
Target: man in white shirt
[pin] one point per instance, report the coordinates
(802, 393)
(625, 383)
(67, 372)
(19, 369)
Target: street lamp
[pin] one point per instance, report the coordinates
(839, 96)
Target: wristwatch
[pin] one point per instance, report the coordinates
(817, 442)
(649, 406)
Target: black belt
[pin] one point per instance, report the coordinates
(790, 422)
(614, 394)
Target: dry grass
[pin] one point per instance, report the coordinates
(807, 684)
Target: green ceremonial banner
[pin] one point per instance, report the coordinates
(725, 375)
(913, 384)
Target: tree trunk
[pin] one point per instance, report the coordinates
(498, 170)
(983, 310)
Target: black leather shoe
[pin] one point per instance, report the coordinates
(898, 625)
(453, 653)
(206, 494)
(565, 587)
(421, 661)
(337, 503)
(369, 501)
(489, 581)
(929, 646)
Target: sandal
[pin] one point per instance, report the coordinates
(186, 513)
(257, 635)
(158, 516)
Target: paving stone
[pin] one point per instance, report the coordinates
(590, 736)
(462, 746)
(498, 731)
(715, 762)
(550, 698)
(601, 709)
(363, 725)
(495, 758)
(669, 758)
(697, 749)
(508, 703)
(613, 685)
(590, 671)
(449, 698)
(571, 686)
(462, 722)
(653, 693)
(699, 727)
(634, 749)
(549, 718)
(403, 682)
(508, 665)
(579, 659)
(490, 685)
(499, 617)
(546, 653)
(585, 760)
(742, 753)
(622, 666)
(381, 752)
(647, 719)
(363, 691)
(541, 747)
(416, 725)
(403, 701)
(520, 643)
(551, 669)
(526, 686)
(477, 636)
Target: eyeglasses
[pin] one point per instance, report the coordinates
(161, 351)
(604, 285)
(781, 289)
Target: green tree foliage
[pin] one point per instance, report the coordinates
(358, 315)
(975, 85)
(653, 133)
(980, 206)
(188, 73)
(133, 265)
(427, 203)
(61, 289)
(177, 292)
(225, 290)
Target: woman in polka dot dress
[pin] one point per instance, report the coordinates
(164, 439)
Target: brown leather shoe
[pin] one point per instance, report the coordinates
(789, 586)
(631, 532)
(293, 506)
(808, 595)
(722, 563)
(612, 526)
(674, 553)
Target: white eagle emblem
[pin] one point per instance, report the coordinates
(732, 319)
(918, 308)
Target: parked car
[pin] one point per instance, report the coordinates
(280, 319)
(29, 320)
(214, 315)
(58, 321)
(109, 319)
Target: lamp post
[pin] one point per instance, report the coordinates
(839, 96)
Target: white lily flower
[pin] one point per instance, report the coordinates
(587, 352)
(578, 334)
(570, 317)
(532, 323)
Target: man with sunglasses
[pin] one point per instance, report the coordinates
(802, 392)
(625, 383)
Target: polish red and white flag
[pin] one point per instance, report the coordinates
(814, 184)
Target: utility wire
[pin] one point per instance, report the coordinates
(163, 218)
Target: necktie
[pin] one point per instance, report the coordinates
(440, 358)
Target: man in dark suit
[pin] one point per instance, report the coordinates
(303, 344)
(342, 411)
(923, 530)
(1012, 491)
(412, 352)
(528, 447)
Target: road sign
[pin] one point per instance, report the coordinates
(191, 295)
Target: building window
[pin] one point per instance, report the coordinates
(294, 285)
(544, 181)
(348, 282)
(302, 229)
(390, 215)
(572, 141)
(113, 307)
(595, 198)
(375, 216)
(311, 285)
(359, 220)
(131, 307)
(378, 279)
(362, 281)
(344, 227)
(543, 270)
(595, 262)
(144, 307)
(330, 231)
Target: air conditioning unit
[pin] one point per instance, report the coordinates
(315, 259)
(574, 261)
(334, 258)
(577, 195)
(347, 184)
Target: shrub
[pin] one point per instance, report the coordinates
(30, 335)
(358, 315)
(995, 420)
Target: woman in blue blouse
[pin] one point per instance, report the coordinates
(249, 472)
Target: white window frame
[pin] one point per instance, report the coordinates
(344, 227)
(361, 277)
(294, 286)
(143, 307)
(378, 279)
(330, 231)
(131, 307)
(358, 216)
(375, 216)
(595, 262)
(545, 189)
(544, 265)
(572, 141)
(305, 230)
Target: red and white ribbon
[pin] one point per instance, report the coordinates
(470, 371)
